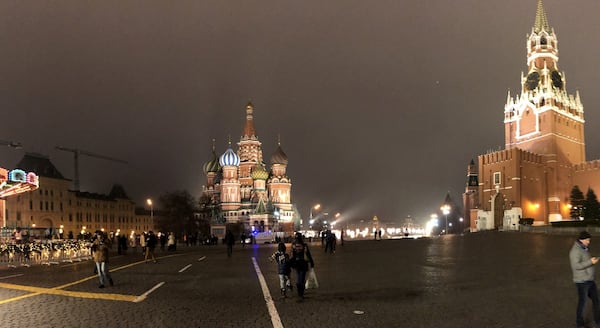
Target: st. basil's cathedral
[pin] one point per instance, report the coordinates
(544, 155)
(242, 194)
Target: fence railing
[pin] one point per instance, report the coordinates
(45, 252)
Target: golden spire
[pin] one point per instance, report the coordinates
(541, 21)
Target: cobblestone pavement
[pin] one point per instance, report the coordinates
(477, 280)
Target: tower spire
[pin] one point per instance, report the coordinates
(249, 127)
(541, 21)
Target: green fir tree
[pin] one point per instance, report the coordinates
(577, 202)
(591, 206)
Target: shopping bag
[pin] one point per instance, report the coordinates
(311, 279)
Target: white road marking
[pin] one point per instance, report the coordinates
(270, 304)
(144, 295)
(185, 268)
(202, 258)
(11, 276)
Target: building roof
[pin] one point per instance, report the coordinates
(40, 165)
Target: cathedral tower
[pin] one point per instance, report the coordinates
(544, 156)
(545, 119)
(250, 152)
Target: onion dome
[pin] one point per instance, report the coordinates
(229, 158)
(212, 165)
(279, 157)
(259, 173)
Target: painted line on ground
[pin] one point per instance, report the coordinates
(185, 268)
(144, 295)
(54, 291)
(11, 276)
(202, 258)
(58, 290)
(275, 319)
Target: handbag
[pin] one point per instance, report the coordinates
(311, 279)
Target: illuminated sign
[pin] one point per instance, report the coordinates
(17, 181)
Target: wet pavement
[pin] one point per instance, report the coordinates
(492, 279)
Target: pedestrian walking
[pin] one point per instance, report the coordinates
(301, 259)
(101, 259)
(143, 243)
(283, 268)
(330, 241)
(171, 244)
(582, 265)
(229, 241)
(150, 246)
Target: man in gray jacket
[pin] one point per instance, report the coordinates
(582, 265)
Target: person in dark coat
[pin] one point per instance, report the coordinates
(301, 259)
(151, 242)
(229, 241)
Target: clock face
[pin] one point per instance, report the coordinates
(557, 81)
(533, 79)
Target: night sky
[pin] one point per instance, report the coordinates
(379, 105)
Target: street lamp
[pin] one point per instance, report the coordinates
(310, 216)
(149, 201)
(446, 210)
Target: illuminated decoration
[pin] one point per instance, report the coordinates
(17, 181)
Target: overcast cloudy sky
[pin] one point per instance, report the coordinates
(380, 105)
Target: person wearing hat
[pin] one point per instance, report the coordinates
(582, 265)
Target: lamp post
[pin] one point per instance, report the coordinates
(310, 216)
(149, 201)
(446, 210)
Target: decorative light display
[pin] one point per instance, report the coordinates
(17, 181)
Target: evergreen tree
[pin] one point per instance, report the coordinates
(591, 206)
(577, 202)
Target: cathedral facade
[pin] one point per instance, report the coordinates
(544, 155)
(242, 193)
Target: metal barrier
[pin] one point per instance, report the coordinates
(47, 252)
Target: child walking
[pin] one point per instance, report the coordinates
(283, 268)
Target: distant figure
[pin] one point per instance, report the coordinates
(380, 234)
(150, 246)
(171, 244)
(301, 258)
(243, 239)
(329, 241)
(283, 268)
(18, 236)
(582, 265)
(342, 238)
(375, 234)
(143, 243)
(163, 241)
(101, 259)
(229, 241)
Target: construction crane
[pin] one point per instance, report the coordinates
(12, 144)
(76, 153)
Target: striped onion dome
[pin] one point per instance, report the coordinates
(229, 158)
(259, 173)
(279, 157)
(212, 165)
